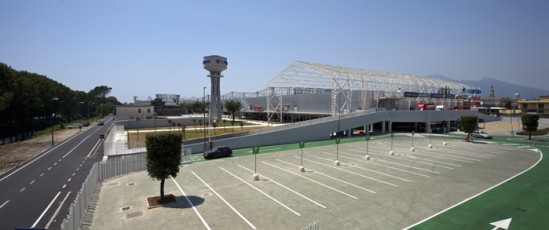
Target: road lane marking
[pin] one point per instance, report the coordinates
(474, 196)
(314, 181)
(69, 180)
(40, 156)
(23, 189)
(65, 185)
(73, 174)
(7, 201)
(49, 168)
(95, 146)
(41, 174)
(32, 182)
(192, 205)
(281, 185)
(370, 162)
(331, 177)
(259, 190)
(45, 210)
(76, 146)
(57, 211)
(351, 172)
(223, 199)
(54, 164)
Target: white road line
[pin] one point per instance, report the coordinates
(49, 168)
(95, 146)
(32, 182)
(351, 172)
(267, 195)
(445, 157)
(223, 199)
(41, 174)
(7, 201)
(402, 159)
(314, 181)
(331, 177)
(77, 169)
(65, 185)
(59, 160)
(370, 162)
(69, 180)
(470, 198)
(439, 162)
(23, 189)
(76, 146)
(281, 185)
(57, 210)
(408, 166)
(369, 170)
(35, 159)
(45, 210)
(192, 205)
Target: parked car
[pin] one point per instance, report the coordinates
(481, 134)
(216, 152)
(74, 126)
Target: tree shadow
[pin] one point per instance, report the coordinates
(183, 202)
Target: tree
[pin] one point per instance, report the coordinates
(158, 103)
(468, 125)
(232, 107)
(163, 156)
(530, 123)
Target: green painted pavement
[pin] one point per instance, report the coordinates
(524, 198)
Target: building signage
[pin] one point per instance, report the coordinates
(430, 95)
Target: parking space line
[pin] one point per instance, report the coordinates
(192, 205)
(223, 199)
(400, 158)
(272, 198)
(331, 177)
(314, 181)
(281, 185)
(443, 157)
(351, 172)
(439, 162)
(370, 162)
(408, 166)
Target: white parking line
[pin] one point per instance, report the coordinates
(460, 159)
(314, 181)
(223, 199)
(370, 162)
(408, 166)
(192, 205)
(281, 185)
(45, 210)
(331, 177)
(272, 198)
(7, 201)
(439, 162)
(400, 158)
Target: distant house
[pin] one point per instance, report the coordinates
(130, 112)
(535, 106)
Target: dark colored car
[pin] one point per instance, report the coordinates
(100, 123)
(216, 152)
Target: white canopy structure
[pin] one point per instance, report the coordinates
(367, 86)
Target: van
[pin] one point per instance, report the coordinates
(439, 107)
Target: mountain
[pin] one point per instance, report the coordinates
(501, 88)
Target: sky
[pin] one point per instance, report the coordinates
(141, 48)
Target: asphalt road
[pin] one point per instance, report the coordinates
(38, 193)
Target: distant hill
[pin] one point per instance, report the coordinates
(501, 88)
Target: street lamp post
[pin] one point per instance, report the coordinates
(53, 120)
(204, 113)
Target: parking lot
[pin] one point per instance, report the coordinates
(385, 192)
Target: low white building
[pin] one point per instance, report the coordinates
(130, 112)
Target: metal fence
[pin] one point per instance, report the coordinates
(100, 171)
(312, 226)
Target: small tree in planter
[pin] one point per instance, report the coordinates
(163, 159)
(530, 123)
(468, 125)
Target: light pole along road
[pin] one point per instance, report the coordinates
(37, 194)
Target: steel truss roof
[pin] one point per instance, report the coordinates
(307, 77)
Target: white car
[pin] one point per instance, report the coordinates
(75, 126)
(481, 134)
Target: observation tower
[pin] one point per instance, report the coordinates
(215, 64)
